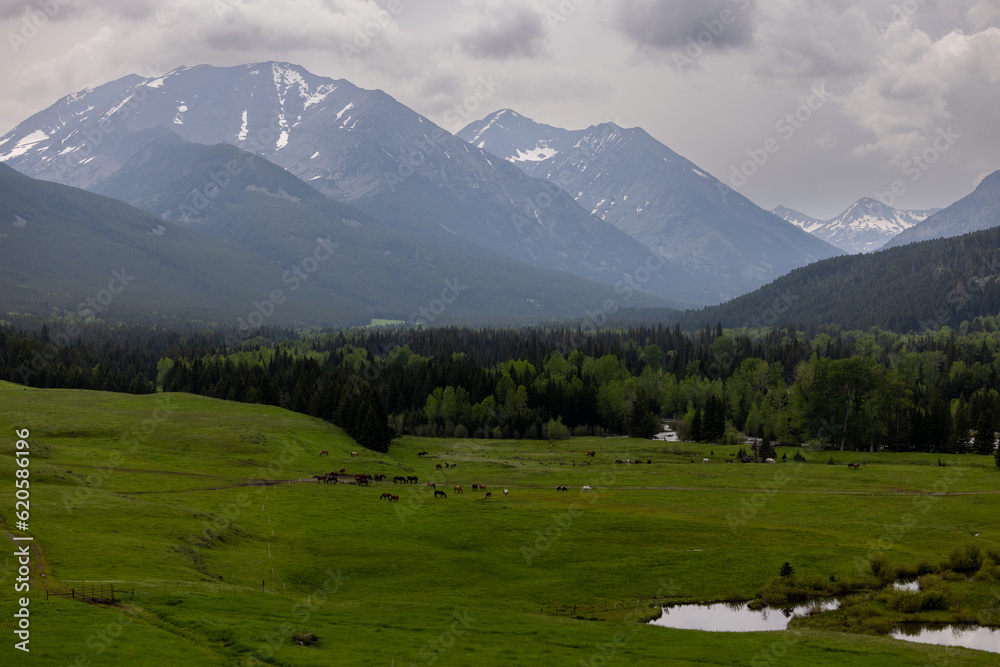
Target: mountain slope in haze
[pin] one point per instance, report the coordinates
(355, 145)
(384, 273)
(65, 250)
(977, 211)
(864, 226)
(626, 177)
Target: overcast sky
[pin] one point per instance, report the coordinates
(901, 91)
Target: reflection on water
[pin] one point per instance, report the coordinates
(735, 617)
(972, 636)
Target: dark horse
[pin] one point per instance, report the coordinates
(440, 493)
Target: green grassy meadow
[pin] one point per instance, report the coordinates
(165, 494)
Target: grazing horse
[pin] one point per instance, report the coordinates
(394, 499)
(441, 494)
(592, 453)
(619, 461)
(586, 488)
(458, 489)
(421, 453)
(729, 460)
(320, 478)
(330, 477)
(769, 461)
(324, 453)
(438, 466)
(411, 479)
(353, 454)
(380, 477)
(489, 494)
(854, 466)
(363, 481)
(705, 461)
(561, 488)
(505, 493)
(343, 470)
(431, 485)
(385, 496)
(398, 480)
(475, 487)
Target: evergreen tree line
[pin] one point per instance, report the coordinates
(936, 391)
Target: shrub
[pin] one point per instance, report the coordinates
(831, 462)
(881, 567)
(461, 431)
(966, 558)
(798, 456)
(786, 569)
(988, 572)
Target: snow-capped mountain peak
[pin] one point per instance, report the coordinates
(864, 226)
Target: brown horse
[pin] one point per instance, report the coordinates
(394, 499)
(592, 453)
(489, 494)
(385, 496)
(324, 453)
(431, 485)
(458, 489)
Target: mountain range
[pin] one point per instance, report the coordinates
(631, 180)
(260, 163)
(356, 146)
(864, 226)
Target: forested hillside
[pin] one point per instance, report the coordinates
(853, 390)
(915, 287)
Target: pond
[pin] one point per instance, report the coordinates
(736, 617)
(972, 636)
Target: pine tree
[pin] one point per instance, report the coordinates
(985, 437)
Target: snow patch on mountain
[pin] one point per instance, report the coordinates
(25, 144)
(243, 128)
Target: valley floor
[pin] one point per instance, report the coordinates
(208, 511)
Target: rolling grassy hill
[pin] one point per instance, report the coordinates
(165, 494)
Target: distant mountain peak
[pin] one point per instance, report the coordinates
(864, 226)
